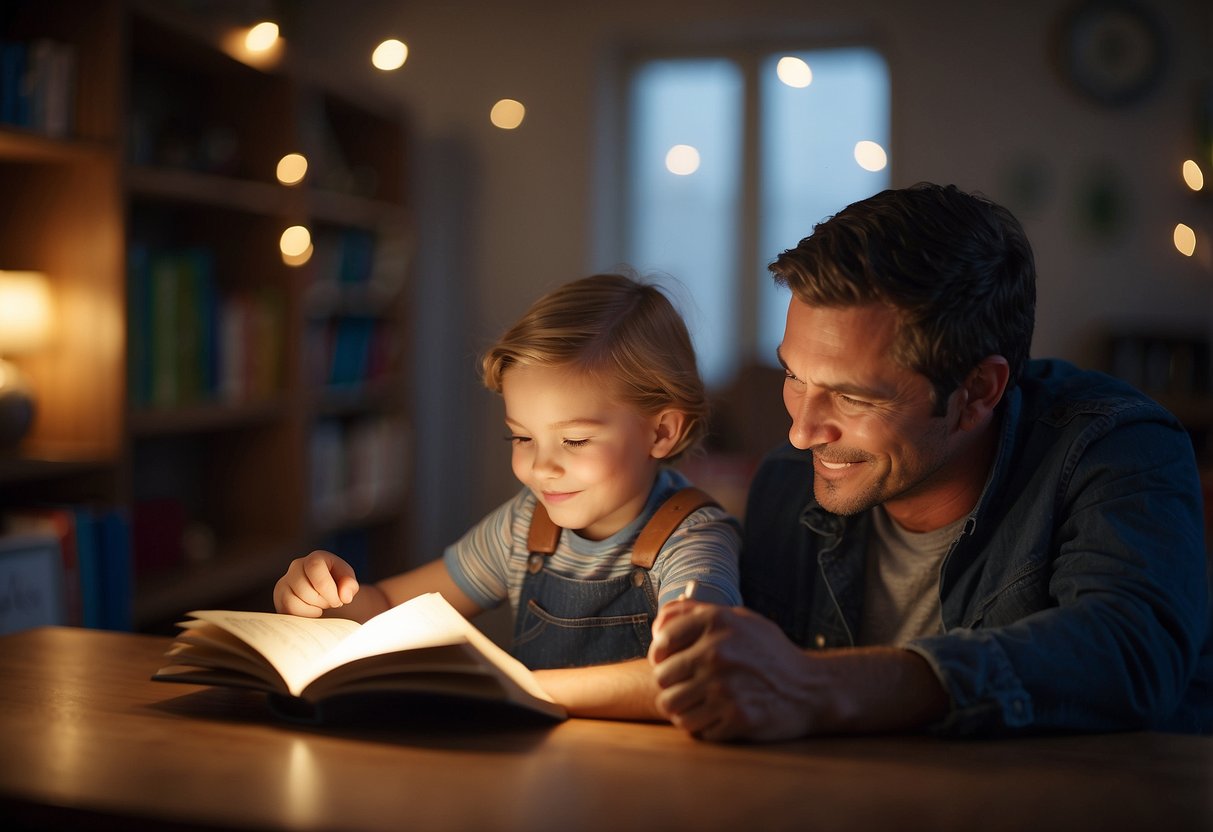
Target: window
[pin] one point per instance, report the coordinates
(730, 160)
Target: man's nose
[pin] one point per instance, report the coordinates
(812, 423)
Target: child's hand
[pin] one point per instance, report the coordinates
(313, 584)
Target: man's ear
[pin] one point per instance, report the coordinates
(668, 430)
(981, 391)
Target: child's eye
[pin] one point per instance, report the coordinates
(575, 443)
(517, 440)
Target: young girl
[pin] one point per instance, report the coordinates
(601, 393)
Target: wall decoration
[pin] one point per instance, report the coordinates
(1113, 51)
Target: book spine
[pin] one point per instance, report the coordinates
(139, 358)
(91, 573)
(38, 86)
(14, 92)
(117, 579)
(163, 340)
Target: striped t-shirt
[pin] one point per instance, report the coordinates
(489, 562)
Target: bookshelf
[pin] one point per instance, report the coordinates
(235, 410)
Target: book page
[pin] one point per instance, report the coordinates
(425, 621)
(295, 646)
(428, 621)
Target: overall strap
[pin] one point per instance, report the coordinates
(543, 535)
(664, 521)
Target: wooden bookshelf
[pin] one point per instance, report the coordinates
(198, 384)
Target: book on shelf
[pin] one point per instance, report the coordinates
(31, 582)
(191, 343)
(421, 647)
(95, 566)
(356, 466)
(37, 86)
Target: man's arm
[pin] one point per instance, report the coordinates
(729, 673)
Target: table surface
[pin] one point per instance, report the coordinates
(90, 741)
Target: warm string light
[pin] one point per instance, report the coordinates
(261, 37)
(1185, 239)
(292, 168)
(871, 156)
(507, 114)
(296, 245)
(389, 55)
(259, 45)
(1184, 236)
(682, 160)
(794, 72)
(1194, 177)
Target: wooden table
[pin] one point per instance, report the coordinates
(90, 742)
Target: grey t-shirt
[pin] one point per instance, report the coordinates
(901, 581)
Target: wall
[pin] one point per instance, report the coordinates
(977, 101)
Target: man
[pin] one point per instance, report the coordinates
(956, 538)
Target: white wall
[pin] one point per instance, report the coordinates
(977, 101)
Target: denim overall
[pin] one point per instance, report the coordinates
(571, 622)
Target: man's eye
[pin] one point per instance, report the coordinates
(849, 402)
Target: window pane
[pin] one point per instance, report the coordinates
(685, 226)
(808, 162)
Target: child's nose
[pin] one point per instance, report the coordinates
(546, 463)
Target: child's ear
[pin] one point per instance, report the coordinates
(668, 431)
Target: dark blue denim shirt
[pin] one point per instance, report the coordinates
(1075, 598)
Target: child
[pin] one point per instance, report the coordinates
(601, 393)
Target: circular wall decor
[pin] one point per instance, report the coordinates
(1113, 51)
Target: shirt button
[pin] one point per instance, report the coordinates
(820, 641)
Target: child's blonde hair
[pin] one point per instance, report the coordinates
(619, 332)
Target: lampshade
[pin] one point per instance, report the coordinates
(25, 312)
(25, 326)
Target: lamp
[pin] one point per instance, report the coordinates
(25, 325)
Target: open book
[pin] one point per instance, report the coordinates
(422, 646)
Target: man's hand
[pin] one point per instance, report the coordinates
(315, 583)
(728, 673)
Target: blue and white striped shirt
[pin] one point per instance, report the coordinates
(489, 562)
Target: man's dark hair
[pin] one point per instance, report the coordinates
(956, 266)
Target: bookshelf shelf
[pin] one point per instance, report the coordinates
(23, 146)
(192, 392)
(207, 417)
(193, 188)
(339, 208)
(30, 469)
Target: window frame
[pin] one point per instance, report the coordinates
(613, 186)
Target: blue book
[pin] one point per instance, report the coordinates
(14, 91)
(88, 561)
(117, 580)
